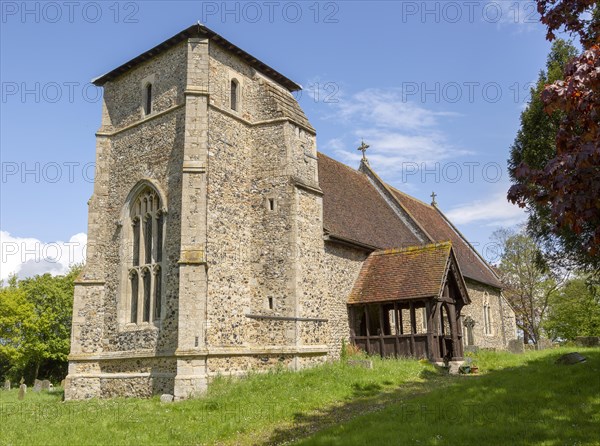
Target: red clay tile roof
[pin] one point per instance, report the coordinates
(353, 209)
(438, 227)
(406, 273)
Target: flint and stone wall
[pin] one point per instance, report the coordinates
(249, 282)
(503, 325)
(243, 243)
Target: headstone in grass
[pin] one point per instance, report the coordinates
(166, 398)
(516, 346)
(62, 383)
(22, 380)
(571, 358)
(364, 363)
(22, 391)
(587, 341)
(37, 385)
(543, 344)
(7, 384)
(46, 384)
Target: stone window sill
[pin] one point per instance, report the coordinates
(142, 326)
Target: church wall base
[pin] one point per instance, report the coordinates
(183, 377)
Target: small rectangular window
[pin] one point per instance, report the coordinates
(148, 99)
(234, 95)
(270, 303)
(271, 204)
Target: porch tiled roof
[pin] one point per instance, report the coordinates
(397, 274)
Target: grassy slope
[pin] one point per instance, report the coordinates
(262, 408)
(518, 400)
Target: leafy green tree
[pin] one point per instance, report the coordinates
(574, 311)
(535, 142)
(561, 192)
(16, 315)
(48, 337)
(528, 281)
(35, 325)
(535, 146)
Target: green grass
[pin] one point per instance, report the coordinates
(272, 407)
(516, 399)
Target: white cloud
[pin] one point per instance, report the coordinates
(495, 211)
(522, 13)
(26, 257)
(398, 130)
(389, 109)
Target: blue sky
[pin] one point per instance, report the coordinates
(436, 89)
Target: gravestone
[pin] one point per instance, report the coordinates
(22, 380)
(543, 344)
(166, 398)
(62, 383)
(7, 385)
(37, 385)
(46, 384)
(571, 358)
(22, 391)
(516, 346)
(364, 363)
(587, 341)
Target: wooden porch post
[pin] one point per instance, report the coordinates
(413, 327)
(396, 331)
(435, 321)
(401, 322)
(352, 324)
(368, 329)
(381, 346)
(429, 314)
(454, 332)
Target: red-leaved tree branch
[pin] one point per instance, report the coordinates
(569, 184)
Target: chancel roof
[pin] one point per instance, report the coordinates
(354, 210)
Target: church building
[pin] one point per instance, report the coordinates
(220, 241)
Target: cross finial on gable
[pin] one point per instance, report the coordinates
(433, 202)
(363, 148)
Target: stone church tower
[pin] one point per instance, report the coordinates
(219, 240)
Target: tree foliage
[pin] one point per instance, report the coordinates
(529, 282)
(574, 311)
(561, 191)
(35, 325)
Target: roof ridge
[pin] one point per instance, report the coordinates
(415, 248)
(398, 203)
(200, 30)
(460, 234)
(410, 197)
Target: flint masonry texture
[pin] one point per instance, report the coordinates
(249, 281)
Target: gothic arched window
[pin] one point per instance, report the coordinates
(145, 270)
